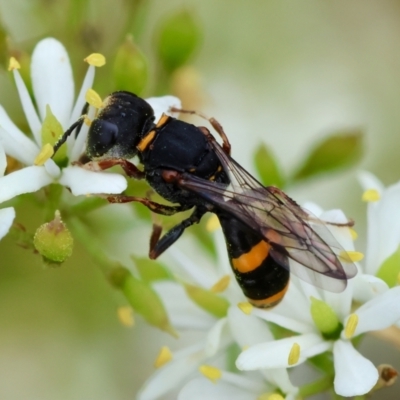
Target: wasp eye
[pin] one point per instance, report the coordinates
(102, 137)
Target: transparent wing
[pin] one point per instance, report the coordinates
(291, 231)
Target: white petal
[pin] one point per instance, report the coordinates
(354, 374)
(279, 377)
(26, 180)
(383, 228)
(7, 216)
(289, 323)
(379, 313)
(202, 388)
(52, 79)
(82, 181)
(76, 147)
(275, 354)
(15, 142)
(172, 374)
(366, 287)
(52, 168)
(3, 160)
(247, 329)
(29, 109)
(217, 337)
(163, 104)
(370, 181)
(183, 313)
(80, 101)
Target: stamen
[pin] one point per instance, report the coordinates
(371, 195)
(351, 256)
(270, 396)
(351, 326)
(353, 233)
(294, 354)
(125, 316)
(245, 307)
(213, 223)
(221, 285)
(93, 99)
(87, 121)
(210, 372)
(95, 59)
(46, 153)
(164, 356)
(13, 64)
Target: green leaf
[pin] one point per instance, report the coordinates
(178, 39)
(208, 300)
(143, 299)
(151, 270)
(130, 69)
(267, 167)
(390, 269)
(337, 151)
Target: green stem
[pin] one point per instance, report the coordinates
(319, 386)
(80, 232)
(86, 206)
(53, 193)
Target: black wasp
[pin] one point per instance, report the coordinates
(263, 227)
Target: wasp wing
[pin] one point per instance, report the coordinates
(291, 231)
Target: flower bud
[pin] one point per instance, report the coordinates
(54, 241)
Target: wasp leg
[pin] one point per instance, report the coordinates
(157, 208)
(159, 245)
(130, 169)
(226, 146)
(64, 137)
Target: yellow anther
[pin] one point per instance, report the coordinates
(351, 326)
(93, 98)
(270, 396)
(351, 256)
(353, 233)
(164, 356)
(221, 285)
(210, 372)
(244, 348)
(371, 195)
(125, 316)
(294, 354)
(46, 153)
(245, 307)
(213, 223)
(95, 59)
(13, 64)
(87, 121)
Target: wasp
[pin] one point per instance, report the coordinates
(268, 235)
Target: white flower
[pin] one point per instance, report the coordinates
(53, 86)
(354, 374)
(383, 220)
(7, 214)
(184, 370)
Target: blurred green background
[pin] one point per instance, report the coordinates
(283, 73)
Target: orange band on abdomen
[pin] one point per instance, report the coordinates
(270, 301)
(251, 260)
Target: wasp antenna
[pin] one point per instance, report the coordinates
(68, 132)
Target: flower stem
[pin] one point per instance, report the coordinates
(86, 206)
(319, 386)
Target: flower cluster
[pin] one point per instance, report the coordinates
(309, 325)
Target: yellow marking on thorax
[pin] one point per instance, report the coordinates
(250, 261)
(146, 141)
(163, 119)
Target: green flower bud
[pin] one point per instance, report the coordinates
(130, 68)
(325, 319)
(208, 300)
(54, 241)
(143, 299)
(178, 39)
